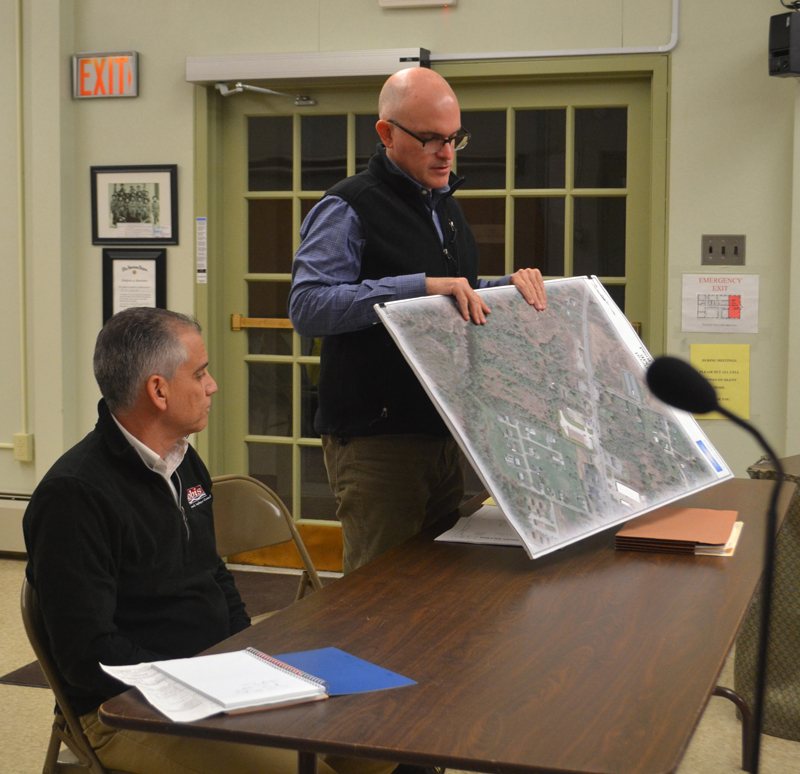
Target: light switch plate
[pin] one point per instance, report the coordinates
(723, 249)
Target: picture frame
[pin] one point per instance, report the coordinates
(133, 277)
(135, 205)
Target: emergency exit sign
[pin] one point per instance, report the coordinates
(106, 74)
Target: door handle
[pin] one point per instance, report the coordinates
(238, 322)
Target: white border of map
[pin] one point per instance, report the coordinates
(552, 410)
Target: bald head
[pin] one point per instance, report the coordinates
(414, 92)
(417, 105)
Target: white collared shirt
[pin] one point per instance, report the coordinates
(164, 467)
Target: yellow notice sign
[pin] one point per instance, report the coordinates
(727, 367)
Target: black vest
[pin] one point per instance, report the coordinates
(365, 385)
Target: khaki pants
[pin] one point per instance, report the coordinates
(142, 753)
(389, 487)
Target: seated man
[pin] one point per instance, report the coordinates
(124, 561)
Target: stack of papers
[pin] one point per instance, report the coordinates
(487, 526)
(677, 530)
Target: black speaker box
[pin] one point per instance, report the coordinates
(784, 45)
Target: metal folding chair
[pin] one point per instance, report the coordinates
(78, 755)
(249, 515)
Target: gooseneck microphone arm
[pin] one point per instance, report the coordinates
(678, 384)
(769, 578)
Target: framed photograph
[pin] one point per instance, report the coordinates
(133, 278)
(135, 205)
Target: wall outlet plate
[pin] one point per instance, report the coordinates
(23, 447)
(723, 249)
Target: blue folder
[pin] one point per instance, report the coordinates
(344, 673)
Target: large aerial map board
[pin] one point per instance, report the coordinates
(552, 410)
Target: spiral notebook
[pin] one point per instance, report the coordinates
(243, 679)
(188, 689)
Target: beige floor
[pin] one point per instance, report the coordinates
(25, 712)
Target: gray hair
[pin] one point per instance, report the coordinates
(132, 346)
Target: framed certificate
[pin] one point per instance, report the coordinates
(133, 278)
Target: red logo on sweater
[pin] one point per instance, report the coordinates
(195, 494)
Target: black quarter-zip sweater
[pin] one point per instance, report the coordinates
(120, 576)
(365, 385)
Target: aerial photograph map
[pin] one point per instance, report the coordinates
(552, 409)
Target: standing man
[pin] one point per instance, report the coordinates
(392, 232)
(121, 549)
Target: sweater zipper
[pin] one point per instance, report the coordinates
(180, 505)
(450, 260)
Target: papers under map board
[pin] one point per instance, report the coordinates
(487, 526)
(552, 410)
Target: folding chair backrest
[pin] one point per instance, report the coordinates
(66, 724)
(249, 515)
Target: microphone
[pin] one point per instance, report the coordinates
(678, 384)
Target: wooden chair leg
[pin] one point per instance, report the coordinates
(53, 747)
(747, 724)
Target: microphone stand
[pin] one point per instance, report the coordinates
(768, 580)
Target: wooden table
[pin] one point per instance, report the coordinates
(587, 660)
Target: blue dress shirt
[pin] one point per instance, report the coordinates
(326, 297)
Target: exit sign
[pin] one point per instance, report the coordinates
(106, 74)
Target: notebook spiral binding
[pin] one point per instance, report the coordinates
(289, 669)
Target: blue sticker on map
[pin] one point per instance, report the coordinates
(704, 449)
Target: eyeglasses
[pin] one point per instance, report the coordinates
(435, 144)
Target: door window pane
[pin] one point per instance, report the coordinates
(366, 139)
(318, 501)
(269, 341)
(269, 236)
(487, 218)
(271, 464)
(270, 398)
(601, 143)
(599, 236)
(269, 153)
(540, 153)
(324, 157)
(539, 235)
(483, 161)
(617, 293)
(267, 299)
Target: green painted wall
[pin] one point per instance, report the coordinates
(731, 134)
